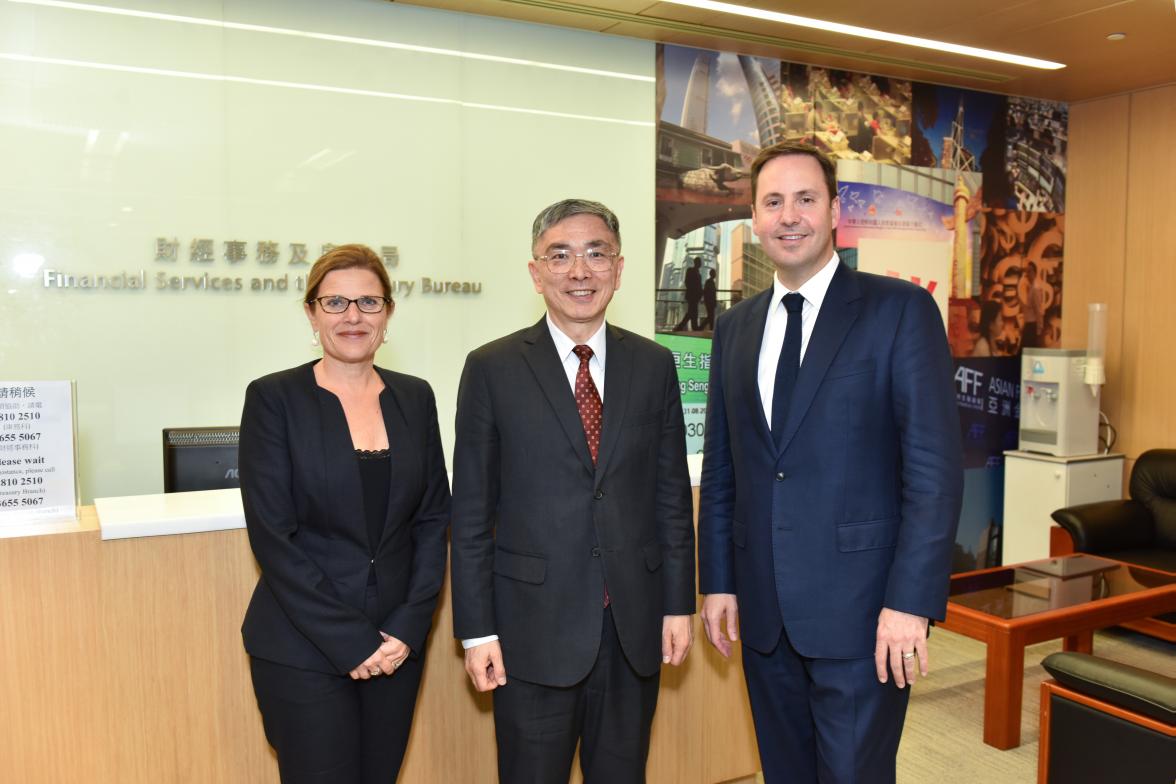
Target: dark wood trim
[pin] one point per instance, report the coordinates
(1044, 717)
(1153, 627)
(1060, 542)
(1006, 640)
(1139, 719)
(1065, 621)
(965, 575)
(1004, 674)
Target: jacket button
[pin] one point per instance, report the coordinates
(780, 476)
(595, 552)
(372, 562)
(599, 495)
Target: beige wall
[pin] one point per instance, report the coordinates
(1121, 249)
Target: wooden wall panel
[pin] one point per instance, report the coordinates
(1096, 214)
(1149, 318)
(121, 663)
(1121, 249)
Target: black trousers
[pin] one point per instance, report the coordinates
(329, 729)
(609, 714)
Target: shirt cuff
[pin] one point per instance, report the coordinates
(474, 642)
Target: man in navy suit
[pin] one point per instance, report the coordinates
(831, 487)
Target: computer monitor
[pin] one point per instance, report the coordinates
(199, 458)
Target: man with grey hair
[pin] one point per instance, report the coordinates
(573, 541)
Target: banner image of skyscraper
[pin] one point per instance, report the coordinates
(961, 191)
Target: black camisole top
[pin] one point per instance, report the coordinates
(375, 474)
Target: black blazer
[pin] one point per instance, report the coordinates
(303, 504)
(537, 529)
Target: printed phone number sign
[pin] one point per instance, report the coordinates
(37, 476)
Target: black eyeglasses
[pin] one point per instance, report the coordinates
(337, 304)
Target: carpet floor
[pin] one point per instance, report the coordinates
(942, 743)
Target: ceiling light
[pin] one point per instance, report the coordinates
(865, 32)
(229, 79)
(346, 39)
(1116, 36)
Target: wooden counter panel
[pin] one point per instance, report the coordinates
(121, 662)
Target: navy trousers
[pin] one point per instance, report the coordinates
(823, 720)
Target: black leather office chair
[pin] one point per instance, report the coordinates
(1140, 529)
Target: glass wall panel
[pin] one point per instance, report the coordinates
(169, 169)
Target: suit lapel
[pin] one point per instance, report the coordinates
(339, 470)
(749, 348)
(539, 352)
(396, 426)
(839, 311)
(310, 411)
(618, 378)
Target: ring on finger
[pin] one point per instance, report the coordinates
(908, 656)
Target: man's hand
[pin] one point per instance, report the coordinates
(717, 609)
(484, 665)
(901, 646)
(677, 637)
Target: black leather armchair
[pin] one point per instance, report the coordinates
(1140, 529)
(1102, 721)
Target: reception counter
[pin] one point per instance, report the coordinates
(121, 662)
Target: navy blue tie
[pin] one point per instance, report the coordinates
(787, 367)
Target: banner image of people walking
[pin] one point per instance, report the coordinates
(958, 191)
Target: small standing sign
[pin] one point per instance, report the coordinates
(38, 474)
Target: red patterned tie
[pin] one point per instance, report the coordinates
(591, 409)
(588, 401)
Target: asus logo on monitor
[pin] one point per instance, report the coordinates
(199, 458)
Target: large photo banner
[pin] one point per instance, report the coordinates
(957, 191)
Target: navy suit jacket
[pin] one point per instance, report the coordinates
(857, 509)
(303, 501)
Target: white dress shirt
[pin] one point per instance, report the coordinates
(571, 366)
(813, 290)
(571, 363)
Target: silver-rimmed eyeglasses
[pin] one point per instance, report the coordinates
(337, 304)
(560, 262)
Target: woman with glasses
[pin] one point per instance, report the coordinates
(347, 504)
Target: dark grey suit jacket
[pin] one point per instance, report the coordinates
(303, 504)
(538, 530)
